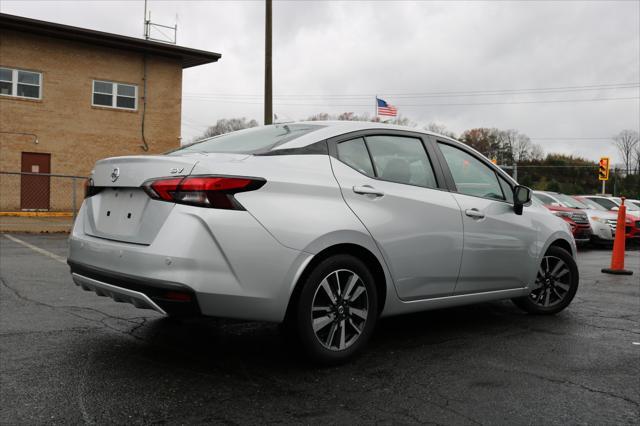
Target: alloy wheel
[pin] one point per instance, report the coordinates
(339, 309)
(552, 282)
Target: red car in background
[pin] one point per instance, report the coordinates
(576, 218)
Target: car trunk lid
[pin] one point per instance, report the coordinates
(121, 210)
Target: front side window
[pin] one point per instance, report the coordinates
(471, 176)
(507, 190)
(115, 95)
(20, 83)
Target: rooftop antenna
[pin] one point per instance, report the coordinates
(158, 32)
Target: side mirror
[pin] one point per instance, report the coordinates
(521, 196)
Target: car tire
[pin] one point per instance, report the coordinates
(337, 309)
(555, 286)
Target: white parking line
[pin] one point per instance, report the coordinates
(37, 249)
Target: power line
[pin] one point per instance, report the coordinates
(593, 166)
(304, 104)
(557, 89)
(571, 138)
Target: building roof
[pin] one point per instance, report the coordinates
(189, 57)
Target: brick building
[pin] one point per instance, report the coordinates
(70, 96)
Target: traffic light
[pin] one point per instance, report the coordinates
(603, 169)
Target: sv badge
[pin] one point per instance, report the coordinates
(176, 170)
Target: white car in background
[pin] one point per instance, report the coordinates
(613, 204)
(602, 222)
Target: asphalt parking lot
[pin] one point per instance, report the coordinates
(69, 356)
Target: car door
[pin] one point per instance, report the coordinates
(499, 245)
(389, 182)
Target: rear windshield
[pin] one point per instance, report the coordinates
(250, 141)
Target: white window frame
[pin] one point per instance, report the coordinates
(14, 84)
(114, 95)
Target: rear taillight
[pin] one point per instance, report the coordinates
(215, 192)
(90, 189)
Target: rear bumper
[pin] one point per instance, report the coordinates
(226, 260)
(161, 296)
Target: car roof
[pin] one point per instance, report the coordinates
(330, 129)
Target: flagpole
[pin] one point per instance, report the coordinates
(375, 111)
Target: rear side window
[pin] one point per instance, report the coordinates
(354, 153)
(397, 159)
(471, 176)
(250, 141)
(401, 159)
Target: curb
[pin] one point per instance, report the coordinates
(37, 214)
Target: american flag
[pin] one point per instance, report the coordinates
(385, 109)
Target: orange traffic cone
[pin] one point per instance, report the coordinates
(617, 257)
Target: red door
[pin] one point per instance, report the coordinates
(35, 190)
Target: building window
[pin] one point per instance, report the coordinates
(115, 95)
(20, 83)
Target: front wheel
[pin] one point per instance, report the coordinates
(337, 309)
(555, 286)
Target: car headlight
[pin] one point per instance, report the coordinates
(563, 214)
(599, 220)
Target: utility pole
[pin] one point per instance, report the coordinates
(268, 94)
(146, 25)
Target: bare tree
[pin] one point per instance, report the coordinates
(537, 153)
(627, 141)
(519, 145)
(226, 125)
(440, 129)
(351, 116)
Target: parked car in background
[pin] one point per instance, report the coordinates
(633, 201)
(633, 212)
(578, 220)
(322, 226)
(611, 204)
(602, 223)
(632, 226)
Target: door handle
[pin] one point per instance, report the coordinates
(367, 190)
(474, 213)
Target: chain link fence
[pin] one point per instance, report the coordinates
(39, 202)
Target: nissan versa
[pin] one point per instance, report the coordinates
(322, 226)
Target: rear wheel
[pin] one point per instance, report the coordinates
(555, 286)
(337, 309)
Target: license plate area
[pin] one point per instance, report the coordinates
(119, 211)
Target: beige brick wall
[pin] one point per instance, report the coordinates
(68, 127)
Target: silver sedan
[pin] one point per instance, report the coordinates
(322, 226)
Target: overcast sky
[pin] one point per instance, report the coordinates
(335, 56)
